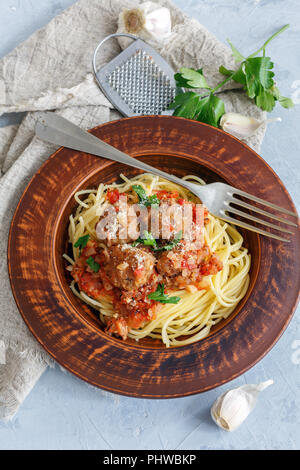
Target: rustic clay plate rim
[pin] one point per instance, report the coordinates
(173, 395)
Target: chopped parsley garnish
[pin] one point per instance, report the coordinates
(147, 240)
(153, 200)
(143, 198)
(160, 296)
(254, 73)
(82, 242)
(93, 264)
(172, 243)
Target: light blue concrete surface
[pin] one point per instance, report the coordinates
(64, 413)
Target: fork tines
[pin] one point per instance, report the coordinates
(238, 202)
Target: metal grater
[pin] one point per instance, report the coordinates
(138, 81)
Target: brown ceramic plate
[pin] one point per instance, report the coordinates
(70, 331)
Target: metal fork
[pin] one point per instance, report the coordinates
(217, 197)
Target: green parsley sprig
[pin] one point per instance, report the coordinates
(82, 242)
(160, 296)
(172, 244)
(143, 198)
(93, 264)
(147, 240)
(254, 73)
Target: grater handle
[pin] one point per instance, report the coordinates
(59, 131)
(115, 35)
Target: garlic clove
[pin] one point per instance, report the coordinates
(158, 23)
(134, 21)
(242, 126)
(231, 409)
(149, 21)
(238, 125)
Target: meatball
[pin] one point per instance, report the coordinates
(180, 267)
(129, 267)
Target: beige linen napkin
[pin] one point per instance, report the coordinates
(52, 71)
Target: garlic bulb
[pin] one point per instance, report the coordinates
(233, 406)
(149, 21)
(241, 126)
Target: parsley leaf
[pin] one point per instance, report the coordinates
(147, 240)
(285, 102)
(190, 78)
(143, 198)
(224, 71)
(257, 78)
(236, 75)
(172, 244)
(82, 242)
(258, 74)
(160, 296)
(141, 193)
(236, 54)
(186, 105)
(153, 200)
(93, 264)
(209, 109)
(265, 100)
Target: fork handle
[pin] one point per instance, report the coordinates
(58, 130)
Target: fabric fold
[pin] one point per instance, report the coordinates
(15, 381)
